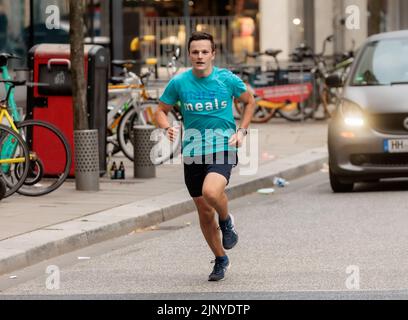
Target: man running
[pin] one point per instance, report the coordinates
(210, 140)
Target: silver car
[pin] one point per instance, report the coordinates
(368, 135)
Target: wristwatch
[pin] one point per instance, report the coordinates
(243, 130)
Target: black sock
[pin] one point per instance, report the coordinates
(222, 259)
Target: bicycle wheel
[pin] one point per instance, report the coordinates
(330, 100)
(52, 157)
(14, 159)
(298, 111)
(261, 114)
(3, 188)
(164, 149)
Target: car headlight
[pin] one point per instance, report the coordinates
(352, 113)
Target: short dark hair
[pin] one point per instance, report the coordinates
(201, 36)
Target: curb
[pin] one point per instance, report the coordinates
(39, 245)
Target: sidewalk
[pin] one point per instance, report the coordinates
(35, 229)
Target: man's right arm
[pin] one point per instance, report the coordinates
(162, 121)
(166, 102)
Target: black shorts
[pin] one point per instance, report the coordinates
(197, 168)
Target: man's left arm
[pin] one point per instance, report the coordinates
(248, 99)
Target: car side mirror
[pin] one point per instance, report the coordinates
(334, 81)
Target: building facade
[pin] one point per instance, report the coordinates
(24, 23)
(286, 23)
(238, 25)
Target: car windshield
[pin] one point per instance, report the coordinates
(383, 62)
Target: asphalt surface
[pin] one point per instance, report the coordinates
(301, 242)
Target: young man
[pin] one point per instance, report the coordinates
(206, 94)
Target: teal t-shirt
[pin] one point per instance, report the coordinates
(207, 109)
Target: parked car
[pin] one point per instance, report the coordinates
(368, 135)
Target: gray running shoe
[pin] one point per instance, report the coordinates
(229, 234)
(220, 268)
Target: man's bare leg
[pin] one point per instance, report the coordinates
(209, 226)
(214, 193)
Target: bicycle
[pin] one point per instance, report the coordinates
(174, 63)
(329, 97)
(324, 96)
(14, 160)
(47, 171)
(136, 106)
(277, 91)
(264, 111)
(3, 189)
(119, 89)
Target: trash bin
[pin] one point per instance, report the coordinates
(86, 161)
(50, 64)
(143, 144)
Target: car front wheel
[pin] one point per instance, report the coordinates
(338, 186)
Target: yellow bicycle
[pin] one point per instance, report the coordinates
(135, 105)
(14, 159)
(49, 151)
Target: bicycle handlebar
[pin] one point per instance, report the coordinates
(16, 83)
(4, 57)
(9, 56)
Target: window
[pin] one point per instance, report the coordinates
(14, 18)
(382, 63)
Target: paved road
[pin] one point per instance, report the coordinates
(302, 242)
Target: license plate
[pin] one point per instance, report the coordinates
(396, 145)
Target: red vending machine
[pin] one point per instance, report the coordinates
(51, 65)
